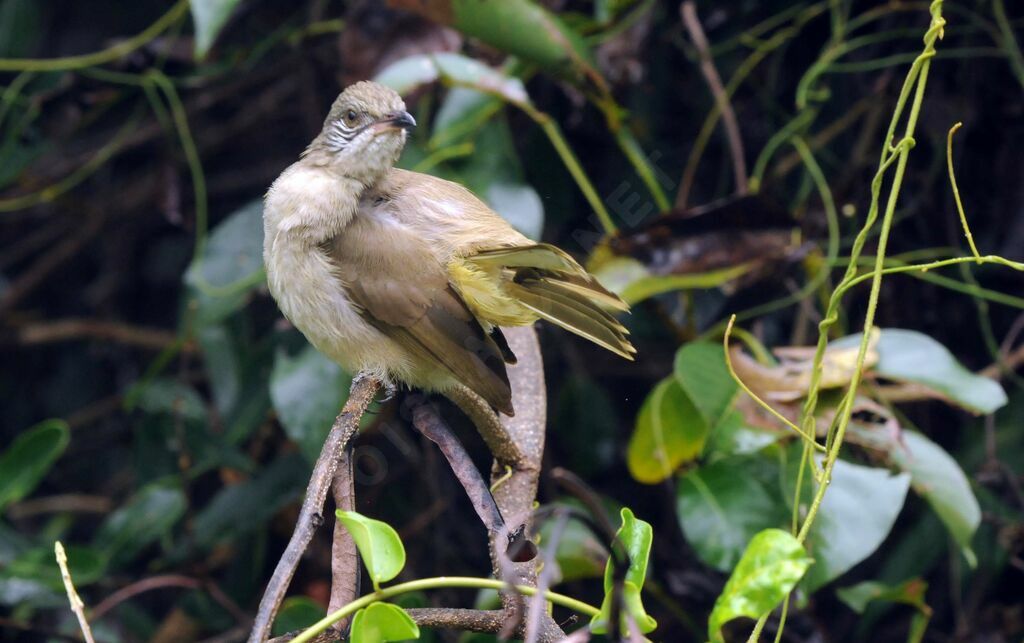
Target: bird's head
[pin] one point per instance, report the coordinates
(365, 131)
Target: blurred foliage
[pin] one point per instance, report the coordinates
(161, 419)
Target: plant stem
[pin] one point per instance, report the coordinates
(438, 583)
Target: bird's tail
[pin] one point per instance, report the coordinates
(550, 284)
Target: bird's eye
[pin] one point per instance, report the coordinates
(350, 117)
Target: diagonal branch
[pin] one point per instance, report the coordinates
(364, 388)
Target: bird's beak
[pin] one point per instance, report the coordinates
(401, 120)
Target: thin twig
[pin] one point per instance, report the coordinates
(71, 329)
(688, 12)
(537, 603)
(77, 606)
(363, 390)
(344, 553)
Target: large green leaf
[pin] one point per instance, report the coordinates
(909, 356)
(856, 515)
(230, 267)
(936, 476)
(409, 73)
(308, 391)
(733, 435)
(29, 458)
(769, 569)
(378, 544)
(209, 17)
(147, 516)
(701, 371)
(722, 506)
(909, 592)
(669, 432)
(383, 622)
(635, 537)
(522, 28)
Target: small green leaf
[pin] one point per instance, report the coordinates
(635, 537)
(669, 432)
(769, 569)
(222, 278)
(308, 391)
(909, 592)
(147, 516)
(29, 458)
(297, 613)
(209, 17)
(378, 544)
(701, 371)
(722, 506)
(383, 622)
(909, 356)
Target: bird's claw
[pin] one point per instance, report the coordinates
(390, 390)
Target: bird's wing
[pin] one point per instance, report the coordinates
(403, 291)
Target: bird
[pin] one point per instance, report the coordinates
(407, 277)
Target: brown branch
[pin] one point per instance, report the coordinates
(499, 440)
(688, 12)
(71, 329)
(344, 553)
(428, 421)
(537, 603)
(363, 390)
(470, 620)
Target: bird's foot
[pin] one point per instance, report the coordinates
(390, 390)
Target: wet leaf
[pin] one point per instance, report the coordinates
(29, 458)
(209, 17)
(722, 506)
(669, 432)
(308, 391)
(383, 622)
(909, 356)
(378, 543)
(769, 569)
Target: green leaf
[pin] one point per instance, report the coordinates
(246, 507)
(222, 278)
(701, 372)
(29, 458)
(669, 432)
(519, 204)
(635, 537)
(378, 544)
(769, 569)
(722, 506)
(461, 114)
(909, 592)
(937, 477)
(383, 622)
(308, 391)
(856, 515)
(909, 356)
(579, 554)
(733, 436)
(168, 396)
(209, 17)
(407, 74)
(147, 516)
(526, 30)
(297, 613)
